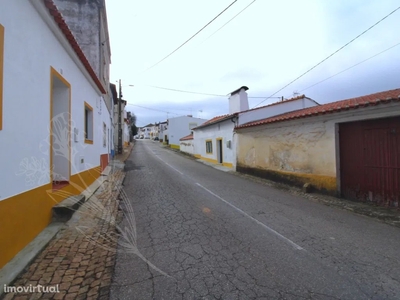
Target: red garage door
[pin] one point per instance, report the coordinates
(370, 161)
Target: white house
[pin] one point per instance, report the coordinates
(349, 148)
(163, 131)
(179, 127)
(215, 140)
(46, 79)
(145, 131)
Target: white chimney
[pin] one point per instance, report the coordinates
(238, 101)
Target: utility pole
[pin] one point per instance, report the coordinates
(119, 119)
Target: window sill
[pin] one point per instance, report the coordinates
(88, 142)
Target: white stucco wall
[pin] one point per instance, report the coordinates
(180, 126)
(274, 110)
(30, 50)
(222, 130)
(187, 146)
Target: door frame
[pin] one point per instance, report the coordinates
(220, 150)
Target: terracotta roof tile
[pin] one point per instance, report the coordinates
(215, 120)
(72, 41)
(188, 137)
(353, 103)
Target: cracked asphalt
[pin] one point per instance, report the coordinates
(200, 233)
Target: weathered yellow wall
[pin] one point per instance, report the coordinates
(24, 216)
(305, 151)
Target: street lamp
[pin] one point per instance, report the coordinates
(119, 120)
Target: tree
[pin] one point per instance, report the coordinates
(132, 121)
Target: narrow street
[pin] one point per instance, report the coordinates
(202, 233)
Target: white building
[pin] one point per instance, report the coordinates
(46, 80)
(215, 140)
(145, 131)
(163, 131)
(179, 127)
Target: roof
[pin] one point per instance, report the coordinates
(55, 13)
(333, 107)
(225, 117)
(238, 90)
(216, 120)
(188, 137)
(284, 101)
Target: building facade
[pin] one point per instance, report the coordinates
(349, 148)
(63, 149)
(179, 127)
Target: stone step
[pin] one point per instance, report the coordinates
(64, 210)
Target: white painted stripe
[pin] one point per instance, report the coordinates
(173, 168)
(167, 163)
(297, 247)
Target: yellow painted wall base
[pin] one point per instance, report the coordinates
(322, 183)
(174, 146)
(213, 161)
(24, 216)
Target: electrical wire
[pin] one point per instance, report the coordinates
(363, 61)
(348, 43)
(189, 38)
(182, 91)
(229, 21)
(198, 93)
(167, 112)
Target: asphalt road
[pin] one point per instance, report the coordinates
(200, 233)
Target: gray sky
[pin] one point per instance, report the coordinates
(267, 46)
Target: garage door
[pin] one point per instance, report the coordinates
(370, 161)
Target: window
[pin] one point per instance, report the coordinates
(1, 74)
(104, 135)
(209, 146)
(88, 124)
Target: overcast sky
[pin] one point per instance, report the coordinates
(267, 46)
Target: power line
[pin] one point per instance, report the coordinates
(154, 109)
(189, 38)
(229, 20)
(182, 91)
(363, 61)
(348, 43)
(199, 93)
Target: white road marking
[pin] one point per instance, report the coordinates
(297, 247)
(166, 163)
(173, 168)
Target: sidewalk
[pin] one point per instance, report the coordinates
(80, 259)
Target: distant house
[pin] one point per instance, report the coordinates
(162, 130)
(66, 143)
(215, 140)
(145, 131)
(179, 127)
(349, 148)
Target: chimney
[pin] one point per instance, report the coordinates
(238, 100)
